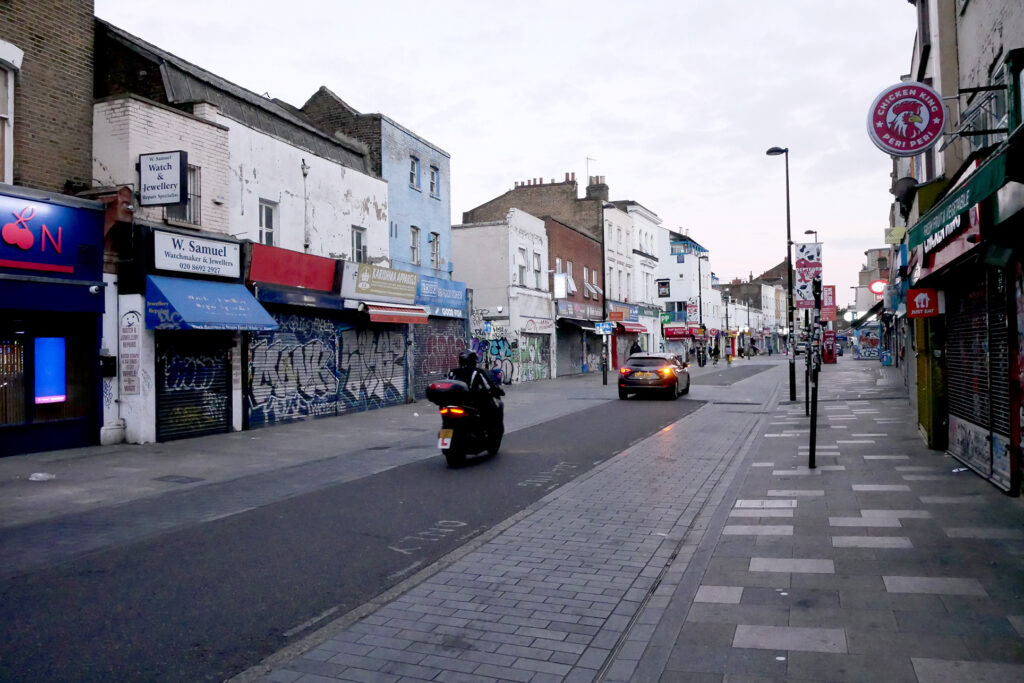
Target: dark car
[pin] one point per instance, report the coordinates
(659, 373)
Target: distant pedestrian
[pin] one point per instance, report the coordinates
(635, 348)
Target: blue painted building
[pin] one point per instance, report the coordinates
(418, 177)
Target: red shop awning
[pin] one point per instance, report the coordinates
(395, 313)
(632, 328)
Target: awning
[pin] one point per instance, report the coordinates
(980, 185)
(874, 310)
(587, 325)
(632, 328)
(679, 330)
(295, 296)
(394, 313)
(174, 303)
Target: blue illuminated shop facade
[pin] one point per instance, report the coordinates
(51, 308)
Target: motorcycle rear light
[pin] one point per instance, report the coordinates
(451, 410)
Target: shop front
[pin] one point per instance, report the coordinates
(51, 307)
(436, 345)
(966, 250)
(577, 343)
(181, 314)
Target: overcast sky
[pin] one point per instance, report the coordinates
(675, 102)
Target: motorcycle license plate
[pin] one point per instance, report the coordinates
(444, 438)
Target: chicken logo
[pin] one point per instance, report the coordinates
(906, 119)
(18, 234)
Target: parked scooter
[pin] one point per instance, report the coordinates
(472, 420)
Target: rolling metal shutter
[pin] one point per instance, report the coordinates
(293, 371)
(371, 366)
(999, 353)
(193, 384)
(966, 361)
(534, 357)
(569, 354)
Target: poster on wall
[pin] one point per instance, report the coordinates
(807, 267)
(128, 351)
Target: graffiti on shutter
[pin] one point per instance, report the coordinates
(192, 386)
(293, 371)
(534, 357)
(371, 366)
(436, 348)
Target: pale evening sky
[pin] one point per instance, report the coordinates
(675, 101)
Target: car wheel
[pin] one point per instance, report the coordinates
(623, 395)
(687, 389)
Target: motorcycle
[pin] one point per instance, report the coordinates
(467, 427)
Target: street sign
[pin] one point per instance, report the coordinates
(616, 315)
(666, 318)
(603, 328)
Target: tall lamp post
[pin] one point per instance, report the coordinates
(775, 151)
(700, 305)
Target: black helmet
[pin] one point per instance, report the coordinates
(467, 359)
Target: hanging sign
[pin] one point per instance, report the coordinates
(163, 178)
(808, 269)
(922, 303)
(906, 119)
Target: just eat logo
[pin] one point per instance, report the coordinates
(19, 233)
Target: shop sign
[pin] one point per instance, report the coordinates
(906, 119)
(647, 311)
(664, 288)
(445, 298)
(828, 303)
(617, 316)
(195, 255)
(129, 352)
(277, 266)
(50, 239)
(163, 178)
(691, 309)
(666, 317)
(676, 331)
(808, 269)
(363, 281)
(922, 303)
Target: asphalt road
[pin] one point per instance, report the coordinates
(206, 601)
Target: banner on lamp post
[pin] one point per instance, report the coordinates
(807, 267)
(828, 303)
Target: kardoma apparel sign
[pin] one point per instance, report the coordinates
(906, 119)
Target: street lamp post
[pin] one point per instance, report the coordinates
(775, 151)
(700, 304)
(812, 232)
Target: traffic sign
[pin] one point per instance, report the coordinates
(603, 328)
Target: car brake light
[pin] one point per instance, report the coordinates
(665, 372)
(625, 371)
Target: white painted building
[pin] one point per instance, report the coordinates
(505, 263)
(644, 257)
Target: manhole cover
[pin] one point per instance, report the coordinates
(178, 479)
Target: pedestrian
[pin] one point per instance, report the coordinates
(635, 348)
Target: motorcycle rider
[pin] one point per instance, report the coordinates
(480, 386)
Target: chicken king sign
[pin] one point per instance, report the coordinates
(906, 119)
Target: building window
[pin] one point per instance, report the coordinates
(435, 250)
(414, 245)
(586, 278)
(414, 172)
(435, 181)
(6, 125)
(521, 266)
(189, 212)
(268, 221)
(358, 244)
(536, 270)
(558, 265)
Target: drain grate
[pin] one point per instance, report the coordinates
(178, 479)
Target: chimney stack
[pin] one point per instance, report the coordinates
(597, 189)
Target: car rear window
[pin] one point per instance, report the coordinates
(647, 362)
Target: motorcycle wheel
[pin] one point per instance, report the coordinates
(454, 457)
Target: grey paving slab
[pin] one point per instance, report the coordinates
(933, 585)
(792, 565)
(877, 521)
(758, 530)
(723, 594)
(930, 670)
(891, 542)
(796, 638)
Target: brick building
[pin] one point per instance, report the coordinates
(578, 257)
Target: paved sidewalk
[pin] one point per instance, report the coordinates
(709, 552)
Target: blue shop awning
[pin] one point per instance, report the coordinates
(184, 304)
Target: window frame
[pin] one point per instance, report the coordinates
(414, 245)
(536, 269)
(435, 250)
(435, 181)
(191, 211)
(414, 172)
(360, 252)
(267, 206)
